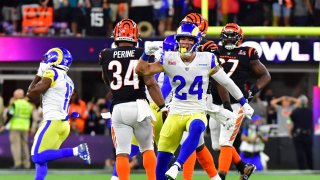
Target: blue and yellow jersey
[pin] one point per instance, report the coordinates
(55, 101)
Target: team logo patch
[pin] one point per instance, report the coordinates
(172, 62)
(241, 52)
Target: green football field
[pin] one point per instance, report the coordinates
(101, 175)
(142, 177)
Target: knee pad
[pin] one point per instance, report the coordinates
(197, 126)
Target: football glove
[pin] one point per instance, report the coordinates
(42, 68)
(223, 116)
(149, 50)
(247, 110)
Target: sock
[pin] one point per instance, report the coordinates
(123, 167)
(114, 172)
(222, 176)
(41, 171)
(206, 161)
(163, 159)
(52, 154)
(149, 164)
(75, 151)
(225, 159)
(134, 151)
(188, 166)
(235, 156)
(236, 159)
(240, 166)
(190, 144)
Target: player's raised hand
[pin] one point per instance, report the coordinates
(149, 50)
(247, 110)
(42, 68)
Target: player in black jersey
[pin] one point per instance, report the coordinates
(238, 62)
(131, 113)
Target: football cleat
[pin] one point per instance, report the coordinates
(248, 170)
(84, 153)
(173, 172)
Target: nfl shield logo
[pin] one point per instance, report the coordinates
(187, 68)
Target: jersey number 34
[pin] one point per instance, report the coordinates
(118, 82)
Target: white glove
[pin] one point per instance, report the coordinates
(247, 110)
(42, 68)
(149, 50)
(223, 116)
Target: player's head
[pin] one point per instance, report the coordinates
(198, 20)
(59, 57)
(231, 36)
(188, 37)
(169, 43)
(126, 30)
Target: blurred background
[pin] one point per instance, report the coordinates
(28, 28)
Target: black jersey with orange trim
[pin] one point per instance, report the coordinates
(208, 46)
(119, 67)
(236, 63)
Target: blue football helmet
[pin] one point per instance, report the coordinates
(169, 43)
(58, 57)
(188, 30)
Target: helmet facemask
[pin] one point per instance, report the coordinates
(230, 39)
(186, 49)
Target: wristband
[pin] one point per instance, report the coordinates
(162, 106)
(242, 101)
(254, 90)
(145, 57)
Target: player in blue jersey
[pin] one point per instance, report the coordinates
(56, 87)
(189, 73)
(160, 114)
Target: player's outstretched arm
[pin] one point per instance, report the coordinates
(222, 78)
(146, 69)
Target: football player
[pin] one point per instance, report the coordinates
(56, 87)
(189, 73)
(202, 153)
(238, 62)
(160, 114)
(131, 113)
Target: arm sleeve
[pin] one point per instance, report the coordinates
(222, 78)
(214, 61)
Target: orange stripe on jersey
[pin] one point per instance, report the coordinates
(113, 134)
(237, 126)
(249, 53)
(203, 46)
(212, 46)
